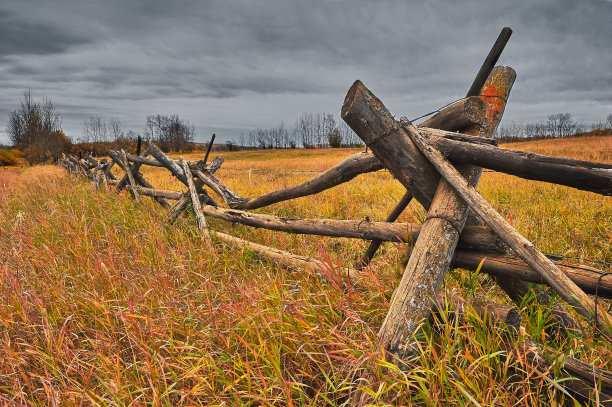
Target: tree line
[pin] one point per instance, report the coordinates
(310, 130)
(556, 126)
(35, 128)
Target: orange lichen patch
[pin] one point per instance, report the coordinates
(493, 94)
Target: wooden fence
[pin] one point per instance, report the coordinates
(461, 228)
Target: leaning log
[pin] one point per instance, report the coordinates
(565, 287)
(195, 201)
(435, 247)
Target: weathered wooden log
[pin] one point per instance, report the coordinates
(583, 381)
(138, 178)
(210, 144)
(180, 206)
(579, 174)
(135, 168)
(477, 236)
(194, 165)
(565, 287)
(344, 171)
(587, 278)
(458, 116)
(195, 201)
(283, 258)
(167, 162)
(128, 172)
(434, 249)
(489, 62)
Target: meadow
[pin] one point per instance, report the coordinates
(102, 302)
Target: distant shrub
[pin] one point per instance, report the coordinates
(10, 157)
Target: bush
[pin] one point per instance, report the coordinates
(10, 157)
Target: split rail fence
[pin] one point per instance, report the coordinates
(439, 163)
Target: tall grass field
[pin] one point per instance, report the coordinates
(103, 302)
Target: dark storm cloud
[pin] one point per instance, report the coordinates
(19, 36)
(228, 66)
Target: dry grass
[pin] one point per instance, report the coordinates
(102, 301)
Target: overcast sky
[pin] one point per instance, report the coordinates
(231, 66)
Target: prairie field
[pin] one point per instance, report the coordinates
(103, 302)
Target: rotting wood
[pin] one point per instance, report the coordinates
(565, 287)
(195, 201)
(433, 251)
(128, 171)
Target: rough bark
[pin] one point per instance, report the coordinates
(565, 287)
(434, 249)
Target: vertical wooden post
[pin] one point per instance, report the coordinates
(210, 144)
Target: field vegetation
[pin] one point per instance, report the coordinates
(102, 301)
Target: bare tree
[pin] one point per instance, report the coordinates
(116, 131)
(170, 132)
(609, 120)
(94, 130)
(561, 125)
(36, 129)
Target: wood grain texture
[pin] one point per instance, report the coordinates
(564, 286)
(434, 249)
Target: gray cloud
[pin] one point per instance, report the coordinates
(232, 66)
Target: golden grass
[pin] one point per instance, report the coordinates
(103, 302)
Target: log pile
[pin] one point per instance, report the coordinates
(439, 163)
